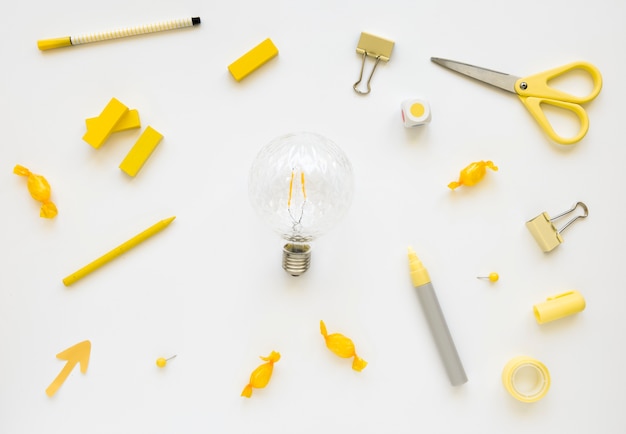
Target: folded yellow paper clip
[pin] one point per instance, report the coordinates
(546, 234)
(372, 46)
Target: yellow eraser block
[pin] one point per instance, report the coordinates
(129, 121)
(253, 59)
(103, 125)
(140, 151)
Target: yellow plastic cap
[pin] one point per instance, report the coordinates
(49, 44)
(559, 306)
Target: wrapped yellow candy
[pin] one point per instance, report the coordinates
(261, 375)
(40, 190)
(473, 174)
(343, 347)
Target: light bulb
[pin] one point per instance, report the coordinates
(301, 185)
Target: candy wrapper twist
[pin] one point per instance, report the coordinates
(343, 347)
(473, 174)
(40, 190)
(261, 375)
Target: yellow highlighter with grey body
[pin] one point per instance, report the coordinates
(137, 239)
(436, 321)
(253, 59)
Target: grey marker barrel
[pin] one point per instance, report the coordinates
(441, 334)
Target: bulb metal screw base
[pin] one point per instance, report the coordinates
(296, 258)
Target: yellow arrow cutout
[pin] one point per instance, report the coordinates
(79, 353)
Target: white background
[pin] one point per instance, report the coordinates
(210, 288)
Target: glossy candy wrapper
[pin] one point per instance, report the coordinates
(40, 190)
(473, 174)
(343, 347)
(261, 375)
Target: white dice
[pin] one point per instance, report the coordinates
(415, 112)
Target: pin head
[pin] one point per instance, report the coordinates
(162, 361)
(493, 277)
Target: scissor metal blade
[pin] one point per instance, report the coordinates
(494, 78)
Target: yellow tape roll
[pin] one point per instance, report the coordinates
(526, 379)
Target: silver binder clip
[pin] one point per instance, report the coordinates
(546, 234)
(372, 46)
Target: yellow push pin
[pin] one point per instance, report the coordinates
(493, 277)
(162, 361)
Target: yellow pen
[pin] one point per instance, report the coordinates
(68, 41)
(137, 239)
(436, 321)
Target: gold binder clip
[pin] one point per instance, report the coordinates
(372, 46)
(546, 234)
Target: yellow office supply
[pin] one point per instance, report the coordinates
(128, 121)
(140, 151)
(419, 273)
(253, 59)
(559, 306)
(493, 277)
(534, 91)
(260, 377)
(372, 46)
(103, 125)
(39, 189)
(343, 347)
(78, 353)
(49, 44)
(436, 320)
(526, 379)
(137, 239)
(546, 234)
(67, 41)
(473, 174)
(162, 361)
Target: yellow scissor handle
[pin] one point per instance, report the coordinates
(537, 84)
(534, 107)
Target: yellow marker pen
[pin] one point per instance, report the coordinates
(436, 321)
(68, 41)
(117, 251)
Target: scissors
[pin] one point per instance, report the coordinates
(534, 91)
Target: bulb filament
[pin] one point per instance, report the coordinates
(296, 221)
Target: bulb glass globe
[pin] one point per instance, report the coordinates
(301, 185)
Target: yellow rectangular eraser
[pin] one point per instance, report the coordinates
(140, 151)
(129, 121)
(253, 59)
(103, 125)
